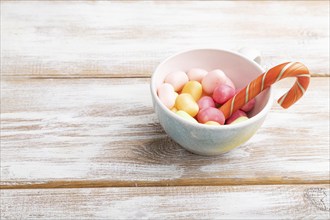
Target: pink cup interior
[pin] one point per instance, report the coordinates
(238, 68)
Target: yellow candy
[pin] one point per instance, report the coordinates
(186, 116)
(212, 123)
(187, 103)
(194, 88)
(174, 109)
(240, 119)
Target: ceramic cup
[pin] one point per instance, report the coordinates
(205, 139)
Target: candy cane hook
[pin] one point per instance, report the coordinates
(264, 81)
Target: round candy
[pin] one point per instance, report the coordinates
(222, 93)
(196, 74)
(167, 95)
(186, 116)
(194, 88)
(212, 80)
(210, 114)
(235, 115)
(187, 103)
(177, 79)
(240, 119)
(205, 102)
(212, 123)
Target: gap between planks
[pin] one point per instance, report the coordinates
(170, 183)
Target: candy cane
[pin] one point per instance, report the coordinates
(265, 80)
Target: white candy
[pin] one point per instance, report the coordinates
(177, 79)
(213, 79)
(196, 74)
(167, 95)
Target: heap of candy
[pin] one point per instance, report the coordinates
(197, 96)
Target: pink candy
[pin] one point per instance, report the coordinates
(223, 93)
(205, 102)
(210, 114)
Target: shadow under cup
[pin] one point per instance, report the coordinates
(205, 139)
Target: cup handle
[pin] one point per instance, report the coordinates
(251, 54)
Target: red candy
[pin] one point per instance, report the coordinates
(210, 114)
(223, 93)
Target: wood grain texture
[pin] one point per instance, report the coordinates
(121, 39)
(79, 137)
(103, 132)
(238, 202)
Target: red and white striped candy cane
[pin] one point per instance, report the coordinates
(264, 81)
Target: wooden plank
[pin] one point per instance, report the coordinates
(120, 39)
(231, 202)
(103, 132)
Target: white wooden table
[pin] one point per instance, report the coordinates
(80, 140)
